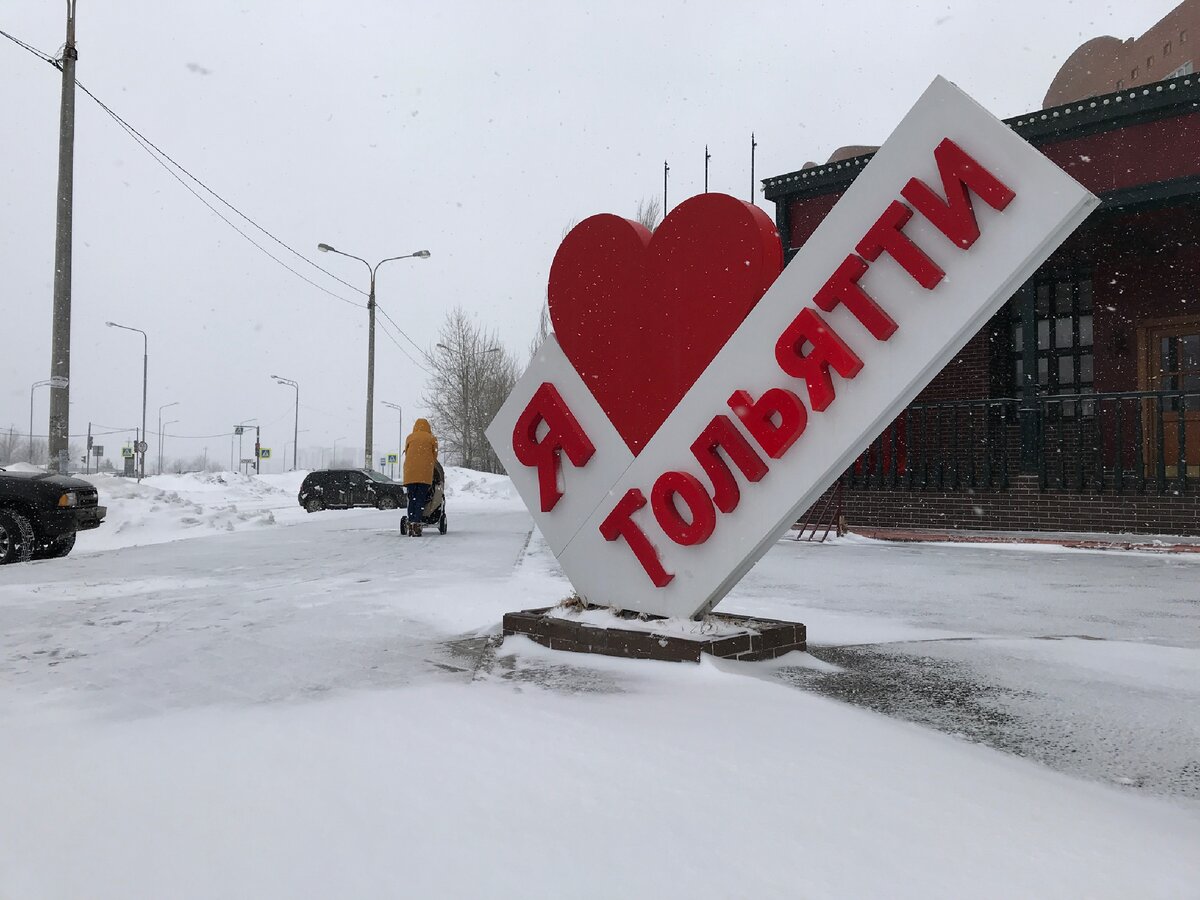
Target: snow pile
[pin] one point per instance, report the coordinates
(467, 485)
(709, 627)
(23, 467)
(174, 507)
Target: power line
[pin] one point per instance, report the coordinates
(399, 346)
(162, 158)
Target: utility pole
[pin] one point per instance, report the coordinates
(753, 147)
(707, 157)
(60, 342)
(666, 169)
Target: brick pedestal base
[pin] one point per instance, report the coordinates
(760, 639)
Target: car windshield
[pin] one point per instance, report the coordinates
(378, 476)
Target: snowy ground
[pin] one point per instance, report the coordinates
(303, 705)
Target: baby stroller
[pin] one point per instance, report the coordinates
(435, 508)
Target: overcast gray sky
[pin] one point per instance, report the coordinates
(476, 130)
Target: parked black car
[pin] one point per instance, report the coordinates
(349, 488)
(41, 513)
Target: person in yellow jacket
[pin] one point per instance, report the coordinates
(420, 454)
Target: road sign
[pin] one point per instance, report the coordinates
(127, 452)
(393, 458)
(238, 429)
(97, 450)
(57, 381)
(661, 455)
(264, 452)
(141, 446)
(382, 461)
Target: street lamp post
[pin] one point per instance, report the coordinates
(296, 424)
(145, 371)
(466, 417)
(160, 442)
(160, 431)
(35, 386)
(400, 446)
(369, 449)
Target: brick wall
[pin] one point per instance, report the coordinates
(1023, 507)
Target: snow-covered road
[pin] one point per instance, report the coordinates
(304, 707)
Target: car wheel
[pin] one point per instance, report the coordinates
(16, 537)
(56, 549)
(404, 525)
(314, 505)
(442, 524)
(386, 503)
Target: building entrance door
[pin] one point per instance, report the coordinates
(1170, 351)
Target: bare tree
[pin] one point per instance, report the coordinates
(543, 330)
(649, 212)
(472, 377)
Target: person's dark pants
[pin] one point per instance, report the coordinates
(418, 496)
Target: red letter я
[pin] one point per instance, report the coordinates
(619, 523)
(887, 235)
(842, 287)
(828, 349)
(722, 434)
(955, 217)
(759, 418)
(563, 433)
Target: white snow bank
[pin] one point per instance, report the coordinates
(471, 487)
(174, 507)
(23, 467)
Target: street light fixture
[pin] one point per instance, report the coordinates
(296, 425)
(145, 371)
(369, 449)
(160, 430)
(165, 425)
(399, 447)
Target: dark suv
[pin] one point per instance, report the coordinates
(348, 488)
(40, 514)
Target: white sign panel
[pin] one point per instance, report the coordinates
(948, 219)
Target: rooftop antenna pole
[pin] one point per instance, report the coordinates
(707, 157)
(753, 147)
(666, 169)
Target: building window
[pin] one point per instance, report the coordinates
(1149, 63)
(1133, 74)
(1167, 49)
(1065, 363)
(1183, 36)
(1120, 84)
(1185, 69)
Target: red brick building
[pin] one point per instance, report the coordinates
(1077, 408)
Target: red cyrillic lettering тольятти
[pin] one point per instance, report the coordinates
(722, 434)
(827, 349)
(619, 523)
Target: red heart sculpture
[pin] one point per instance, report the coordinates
(641, 315)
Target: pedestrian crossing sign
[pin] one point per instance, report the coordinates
(393, 458)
